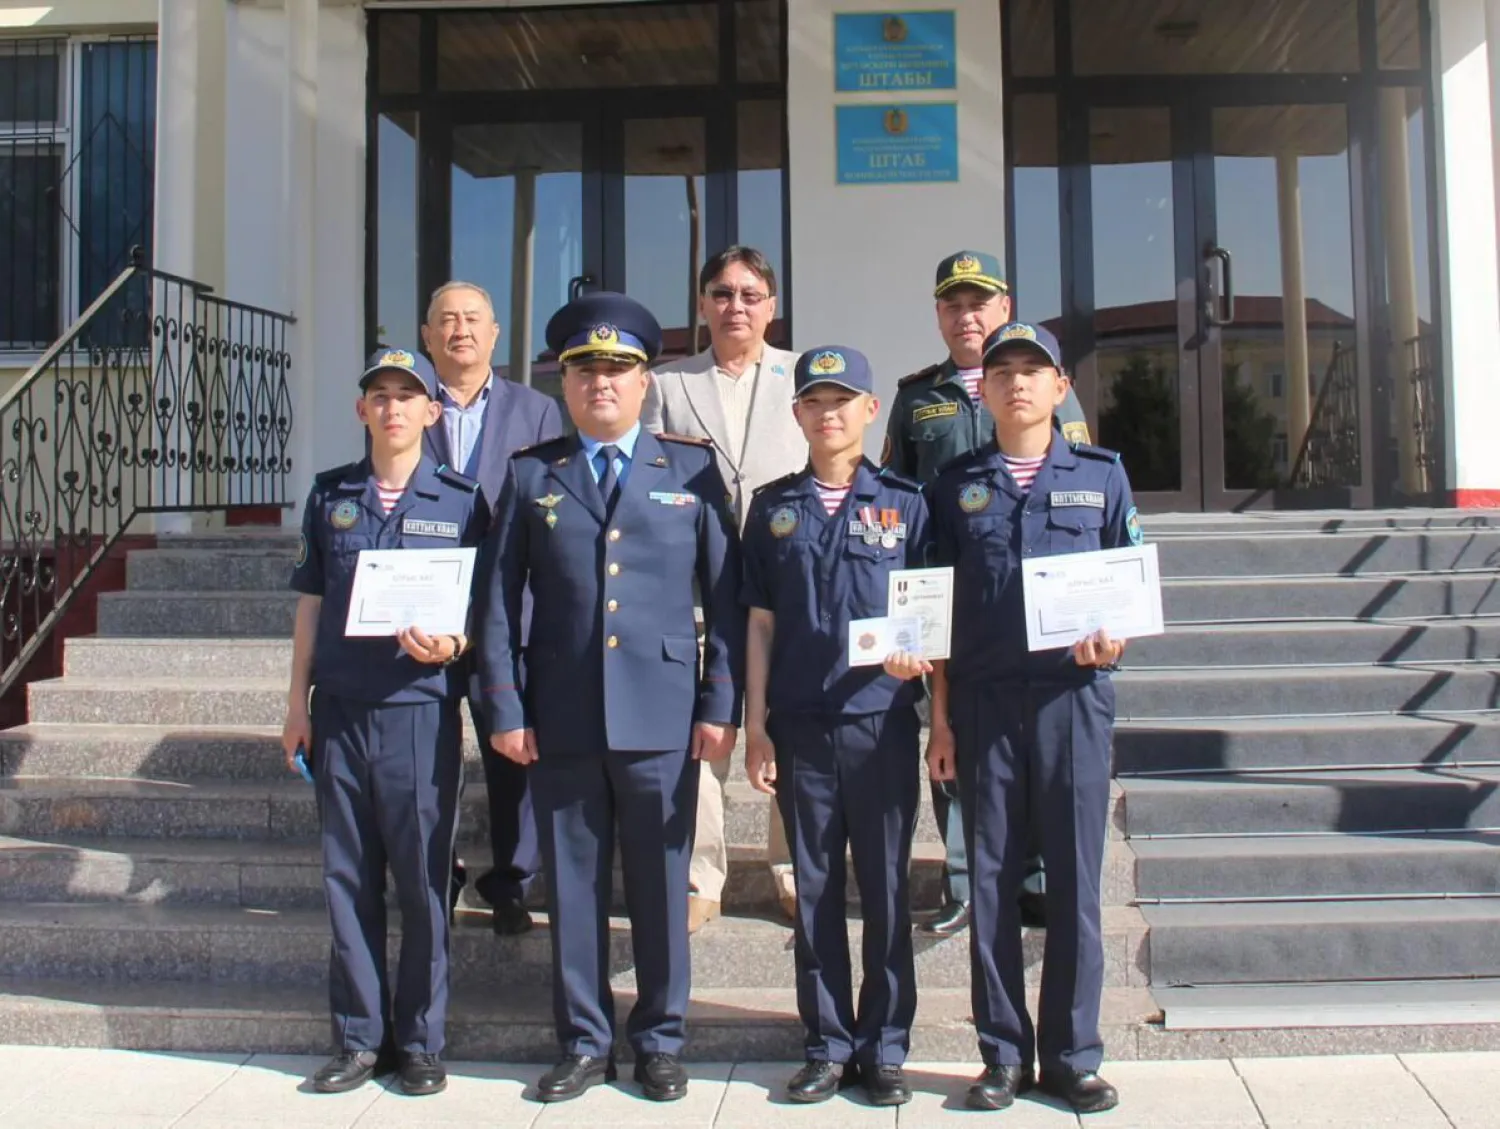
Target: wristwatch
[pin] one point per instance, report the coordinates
(460, 645)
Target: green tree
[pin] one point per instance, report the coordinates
(1141, 423)
(1249, 436)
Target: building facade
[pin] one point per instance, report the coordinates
(1266, 234)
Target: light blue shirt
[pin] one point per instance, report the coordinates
(462, 425)
(626, 446)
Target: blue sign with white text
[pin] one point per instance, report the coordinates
(913, 143)
(894, 51)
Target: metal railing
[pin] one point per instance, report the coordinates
(1329, 454)
(1422, 378)
(161, 398)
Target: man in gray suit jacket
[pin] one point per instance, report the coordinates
(738, 395)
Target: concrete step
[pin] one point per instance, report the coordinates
(1306, 553)
(1230, 691)
(230, 944)
(1278, 644)
(1378, 1004)
(199, 570)
(724, 1025)
(266, 614)
(1305, 942)
(1313, 866)
(1276, 523)
(105, 656)
(1353, 801)
(217, 540)
(1271, 744)
(1327, 598)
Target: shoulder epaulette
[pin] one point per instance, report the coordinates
(695, 440)
(453, 478)
(958, 462)
(784, 480)
(537, 446)
(334, 474)
(1093, 452)
(920, 374)
(886, 474)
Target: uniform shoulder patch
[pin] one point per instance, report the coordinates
(544, 445)
(920, 374)
(775, 483)
(1103, 454)
(453, 478)
(334, 474)
(695, 440)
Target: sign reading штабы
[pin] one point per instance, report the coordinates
(894, 51)
(913, 143)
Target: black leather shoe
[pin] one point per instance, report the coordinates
(817, 1081)
(953, 918)
(661, 1076)
(572, 1076)
(1084, 1090)
(510, 919)
(347, 1070)
(885, 1085)
(998, 1086)
(422, 1073)
(1033, 910)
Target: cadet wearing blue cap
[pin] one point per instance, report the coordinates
(838, 745)
(938, 415)
(382, 733)
(611, 527)
(1030, 731)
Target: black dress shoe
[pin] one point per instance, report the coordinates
(347, 1070)
(661, 1076)
(1033, 910)
(422, 1073)
(1084, 1090)
(572, 1076)
(998, 1086)
(817, 1081)
(885, 1084)
(510, 919)
(951, 919)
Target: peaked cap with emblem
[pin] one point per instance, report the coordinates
(406, 361)
(970, 268)
(604, 324)
(1019, 333)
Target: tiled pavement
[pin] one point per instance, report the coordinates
(53, 1088)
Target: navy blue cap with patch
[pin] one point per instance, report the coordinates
(970, 268)
(604, 324)
(1022, 333)
(404, 361)
(833, 364)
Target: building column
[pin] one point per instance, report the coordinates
(299, 190)
(522, 264)
(1293, 302)
(1401, 280)
(1470, 280)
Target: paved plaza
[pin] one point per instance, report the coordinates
(52, 1088)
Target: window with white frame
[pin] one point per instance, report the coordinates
(77, 165)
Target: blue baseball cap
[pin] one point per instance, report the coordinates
(1023, 333)
(414, 365)
(833, 364)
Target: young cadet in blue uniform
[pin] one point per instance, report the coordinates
(936, 416)
(611, 527)
(837, 745)
(1030, 732)
(382, 733)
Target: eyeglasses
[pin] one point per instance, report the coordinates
(723, 295)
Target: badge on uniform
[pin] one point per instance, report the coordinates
(1133, 528)
(548, 503)
(673, 497)
(783, 521)
(889, 531)
(935, 411)
(301, 551)
(974, 497)
(417, 528)
(1093, 499)
(344, 515)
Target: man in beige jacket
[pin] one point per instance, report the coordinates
(738, 395)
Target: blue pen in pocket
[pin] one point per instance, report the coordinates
(300, 760)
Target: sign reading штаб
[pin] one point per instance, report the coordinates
(905, 51)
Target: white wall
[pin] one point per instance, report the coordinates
(864, 256)
(68, 15)
(1470, 280)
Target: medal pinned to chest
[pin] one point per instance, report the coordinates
(887, 531)
(549, 504)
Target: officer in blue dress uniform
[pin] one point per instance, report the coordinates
(382, 733)
(611, 527)
(838, 745)
(1030, 731)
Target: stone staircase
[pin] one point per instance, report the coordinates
(1307, 765)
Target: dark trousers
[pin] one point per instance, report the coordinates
(514, 849)
(387, 786)
(851, 783)
(948, 813)
(582, 802)
(1037, 757)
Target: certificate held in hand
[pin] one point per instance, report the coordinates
(1071, 596)
(399, 588)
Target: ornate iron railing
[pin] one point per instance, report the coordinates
(1329, 454)
(161, 398)
(1422, 378)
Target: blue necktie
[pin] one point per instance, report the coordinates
(609, 481)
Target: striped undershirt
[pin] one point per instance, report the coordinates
(389, 496)
(1023, 470)
(832, 496)
(972, 378)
